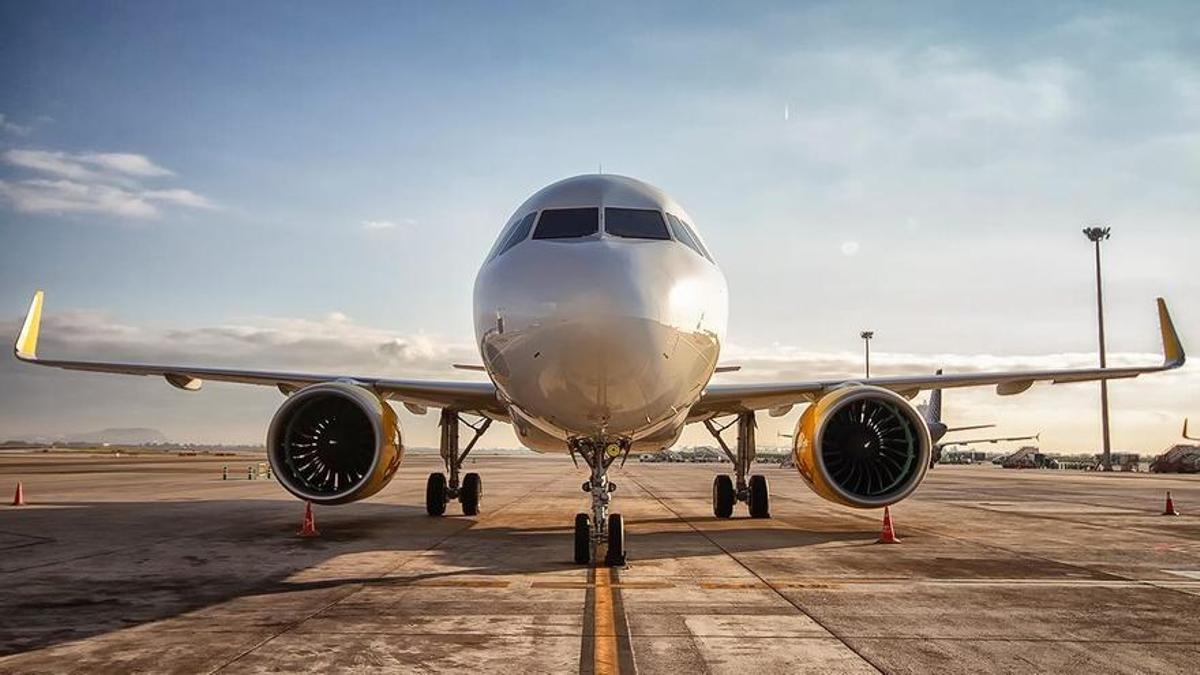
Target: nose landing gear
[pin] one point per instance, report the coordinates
(599, 529)
(753, 490)
(469, 490)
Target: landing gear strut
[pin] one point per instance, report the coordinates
(469, 489)
(752, 490)
(599, 528)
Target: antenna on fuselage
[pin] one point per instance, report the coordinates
(599, 167)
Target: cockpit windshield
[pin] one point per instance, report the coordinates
(635, 224)
(686, 236)
(518, 233)
(567, 223)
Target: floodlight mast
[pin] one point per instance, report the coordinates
(866, 335)
(1097, 235)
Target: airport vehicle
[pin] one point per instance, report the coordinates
(599, 316)
(1177, 459)
(1028, 457)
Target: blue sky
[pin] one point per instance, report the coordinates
(276, 180)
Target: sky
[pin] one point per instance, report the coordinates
(311, 186)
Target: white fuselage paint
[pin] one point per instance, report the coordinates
(599, 337)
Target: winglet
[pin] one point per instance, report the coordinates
(25, 347)
(1173, 355)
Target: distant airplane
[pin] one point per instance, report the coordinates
(1185, 434)
(933, 417)
(999, 439)
(599, 317)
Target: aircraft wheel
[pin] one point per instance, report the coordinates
(723, 496)
(583, 538)
(616, 541)
(435, 494)
(760, 497)
(468, 496)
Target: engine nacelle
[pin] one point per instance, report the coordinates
(862, 446)
(334, 443)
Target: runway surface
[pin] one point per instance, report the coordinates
(157, 565)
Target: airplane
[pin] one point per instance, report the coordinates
(599, 316)
(999, 439)
(932, 411)
(1185, 433)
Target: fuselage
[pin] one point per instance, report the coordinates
(599, 313)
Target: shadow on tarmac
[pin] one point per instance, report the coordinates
(97, 567)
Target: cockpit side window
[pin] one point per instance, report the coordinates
(635, 224)
(568, 223)
(518, 234)
(685, 235)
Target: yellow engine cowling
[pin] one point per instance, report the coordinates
(334, 443)
(862, 446)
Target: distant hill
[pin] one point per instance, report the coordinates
(119, 436)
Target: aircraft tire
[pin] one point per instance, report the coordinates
(435, 494)
(470, 494)
(723, 496)
(583, 539)
(616, 541)
(760, 497)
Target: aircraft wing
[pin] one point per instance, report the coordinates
(969, 427)
(723, 399)
(974, 441)
(477, 397)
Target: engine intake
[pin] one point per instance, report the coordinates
(334, 443)
(862, 446)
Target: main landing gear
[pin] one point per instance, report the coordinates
(600, 528)
(752, 490)
(468, 490)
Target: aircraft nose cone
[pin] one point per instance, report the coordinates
(589, 337)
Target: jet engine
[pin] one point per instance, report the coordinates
(334, 443)
(862, 446)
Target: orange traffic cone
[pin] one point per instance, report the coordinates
(19, 497)
(309, 527)
(1169, 511)
(888, 536)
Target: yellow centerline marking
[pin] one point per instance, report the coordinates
(605, 655)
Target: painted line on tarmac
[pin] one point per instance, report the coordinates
(607, 649)
(604, 658)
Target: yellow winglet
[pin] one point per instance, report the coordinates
(25, 347)
(1173, 355)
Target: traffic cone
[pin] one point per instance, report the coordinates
(309, 527)
(1168, 511)
(888, 536)
(19, 497)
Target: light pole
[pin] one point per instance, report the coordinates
(1097, 235)
(866, 335)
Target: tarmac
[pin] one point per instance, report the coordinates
(156, 564)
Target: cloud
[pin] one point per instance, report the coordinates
(181, 197)
(98, 166)
(66, 196)
(386, 225)
(123, 162)
(849, 248)
(94, 182)
(13, 128)
(333, 343)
